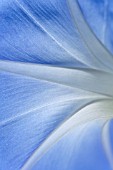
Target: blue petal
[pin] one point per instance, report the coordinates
(99, 15)
(98, 51)
(39, 32)
(30, 110)
(38, 102)
(80, 149)
(42, 32)
(91, 112)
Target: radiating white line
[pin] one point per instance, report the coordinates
(98, 50)
(9, 120)
(91, 112)
(75, 78)
(49, 34)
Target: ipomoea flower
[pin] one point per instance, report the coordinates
(56, 85)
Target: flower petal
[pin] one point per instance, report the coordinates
(97, 110)
(30, 110)
(42, 32)
(79, 149)
(99, 15)
(77, 78)
(96, 48)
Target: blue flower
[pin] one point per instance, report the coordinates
(56, 85)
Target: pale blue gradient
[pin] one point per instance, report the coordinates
(56, 79)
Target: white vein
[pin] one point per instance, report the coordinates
(49, 34)
(91, 112)
(92, 43)
(75, 78)
(37, 109)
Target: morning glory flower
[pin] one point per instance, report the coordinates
(56, 85)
